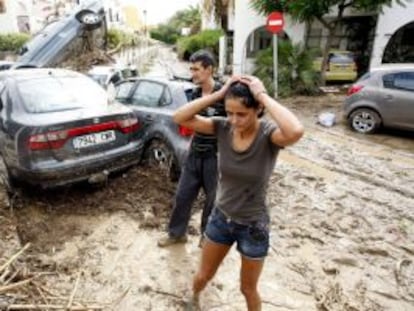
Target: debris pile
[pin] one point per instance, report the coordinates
(22, 289)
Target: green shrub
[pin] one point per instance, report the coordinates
(296, 75)
(170, 31)
(208, 39)
(117, 37)
(12, 41)
(165, 33)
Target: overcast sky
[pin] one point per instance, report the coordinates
(158, 11)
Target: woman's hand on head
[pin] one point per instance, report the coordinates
(229, 82)
(255, 85)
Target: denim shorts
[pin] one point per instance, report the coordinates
(252, 239)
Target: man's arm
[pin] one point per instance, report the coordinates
(187, 115)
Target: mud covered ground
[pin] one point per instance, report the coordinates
(342, 231)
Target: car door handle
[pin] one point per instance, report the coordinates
(388, 97)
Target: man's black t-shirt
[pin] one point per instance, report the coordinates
(203, 144)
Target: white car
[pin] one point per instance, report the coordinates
(108, 76)
(105, 75)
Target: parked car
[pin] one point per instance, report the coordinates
(58, 127)
(154, 100)
(111, 74)
(5, 64)
(341, 66)
(50, 46)
(105, 75)
(382, 97)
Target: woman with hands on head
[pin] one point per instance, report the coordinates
(247, 150)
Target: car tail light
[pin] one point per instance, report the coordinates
(185, 131)
(50, 140)
(56, 139)
(354, 89)
(128, 125)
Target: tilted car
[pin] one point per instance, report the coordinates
(58, 127)
(382, 97)
(50, 46)
(154, 100)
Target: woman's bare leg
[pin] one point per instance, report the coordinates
(211, 257)
(249, 275)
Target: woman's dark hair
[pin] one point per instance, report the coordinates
(241, 91)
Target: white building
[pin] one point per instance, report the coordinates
(385, 37)
(31, 15)
(16, 16)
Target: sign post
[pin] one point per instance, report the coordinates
(274, 24)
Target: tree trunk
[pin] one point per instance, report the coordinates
(325, 54)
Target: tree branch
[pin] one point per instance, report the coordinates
(324, 22)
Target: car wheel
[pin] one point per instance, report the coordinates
(159, 155)
(90, 19)
(365, 121)
(5, 178)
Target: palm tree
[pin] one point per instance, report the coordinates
(217, 8)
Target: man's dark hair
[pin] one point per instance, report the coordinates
(239, 90)
(206, 58)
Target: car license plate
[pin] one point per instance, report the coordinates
(93, 139)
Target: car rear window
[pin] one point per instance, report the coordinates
(57, 93)
(341, 59)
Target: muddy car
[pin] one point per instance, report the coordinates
(50, 46)
(109, 75)
(154, 100)
(383, 97)
(52, 135)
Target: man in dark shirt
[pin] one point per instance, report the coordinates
(200, 169)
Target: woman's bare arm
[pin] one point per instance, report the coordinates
(290, 129)
(187, 115)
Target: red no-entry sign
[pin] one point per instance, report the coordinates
(275, 22)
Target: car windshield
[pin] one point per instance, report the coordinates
(342, 59)
(51, 93)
